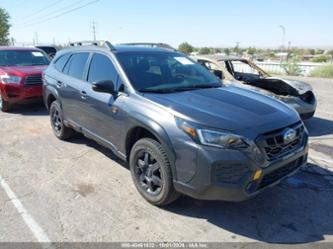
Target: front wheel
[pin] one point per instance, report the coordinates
(151, 172)
(4, 105)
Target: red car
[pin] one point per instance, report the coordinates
(20, 75)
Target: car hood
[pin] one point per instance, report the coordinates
(24, 70)
(300, 86)
(227, 108)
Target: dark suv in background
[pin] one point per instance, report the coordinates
(179, 128)
(49, 50)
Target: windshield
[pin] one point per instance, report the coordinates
(11, 58)
(165, 72)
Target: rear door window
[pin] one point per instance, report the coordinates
(76, 66)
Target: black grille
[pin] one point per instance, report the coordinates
(33, 80)
(274, 146)
(280, 173)
(229, 173)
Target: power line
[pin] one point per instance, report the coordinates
(51, 13)
(61, 14)
(41, 10)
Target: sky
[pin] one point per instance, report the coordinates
(216, 23)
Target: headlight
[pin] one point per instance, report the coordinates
(221, 139)
(10, 79)
(212, 138)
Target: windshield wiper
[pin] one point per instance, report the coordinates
(156, 90)
(205, 86)
(194, 87)
(178, 89)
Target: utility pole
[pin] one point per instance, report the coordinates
(237, 48)
(35, 39)
(283, 29)
(93, 27)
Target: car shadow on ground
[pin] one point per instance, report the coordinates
(319, 127)
(298, 210)
(31, 109)
(81, 139)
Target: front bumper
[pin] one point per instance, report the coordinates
(20, 93)
(228, 175)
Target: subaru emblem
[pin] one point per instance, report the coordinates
(289, 135)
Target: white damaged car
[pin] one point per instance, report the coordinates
(244, 73)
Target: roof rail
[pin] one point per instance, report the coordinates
(106, 44)
(150, 44)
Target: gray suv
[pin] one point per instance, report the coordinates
(178, 127)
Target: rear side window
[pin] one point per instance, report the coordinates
(75, 67)
(61, 61)
(101, 68)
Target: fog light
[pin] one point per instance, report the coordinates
(257, 175)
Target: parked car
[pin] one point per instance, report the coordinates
(20, 75)
(244, 73)
(180, 129)
(49, 50)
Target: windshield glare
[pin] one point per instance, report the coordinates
(12, 58)
(165, 71)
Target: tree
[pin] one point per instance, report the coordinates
(186, 48)
(320, 51)
(291, 66)
(330, 52)
(227, 51)
(204, 50)
(320, 58)
(236, 49)
(4, 27)
(251, 51)
(312, 51)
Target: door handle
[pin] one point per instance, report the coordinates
(83, 95)
(114, 109)
(59, 84)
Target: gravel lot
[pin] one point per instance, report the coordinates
(78, 191)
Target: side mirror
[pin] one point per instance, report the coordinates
(104, 86)
(219, 74)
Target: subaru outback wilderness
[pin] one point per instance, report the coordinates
(175, 123)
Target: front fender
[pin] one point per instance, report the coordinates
(139, 120)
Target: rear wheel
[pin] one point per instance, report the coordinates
(4, 105)
(60, 130)
(151, 172)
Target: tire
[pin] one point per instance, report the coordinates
(56, 117)
(148, 162)
(4, 105)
